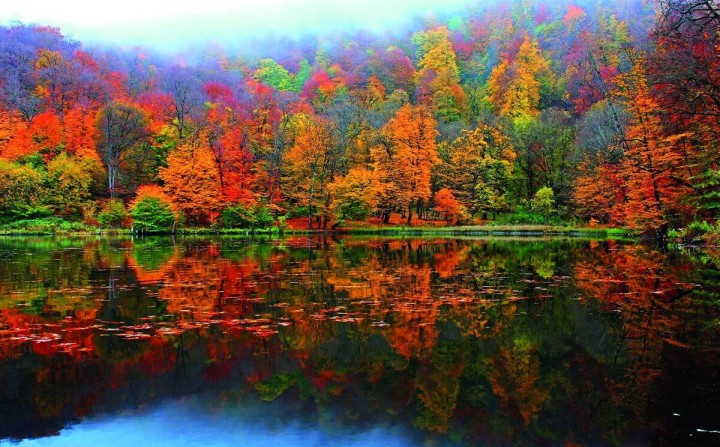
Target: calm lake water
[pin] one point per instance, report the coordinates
(317, 341)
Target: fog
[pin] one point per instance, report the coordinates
(165, 25)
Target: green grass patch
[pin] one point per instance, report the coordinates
(45, 225)
(484, 230)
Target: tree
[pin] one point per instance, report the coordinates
(56, 81)
(21, 192)
(227, 139)
(309, 166)
(394, 68)
(687, 64)
(477, 167)
(80, 132)
(355, 195)
(303, 74)
(545, 154)
(69, 182)
(273, 74)
(247, 216)
(42, 134)
(446, 204)
(405, 160)
(438, 75)
(543, 202)
(185, 90)
(600, 192)
(651, 160)
(193, 184)
(685, 72)
(121, 127)
(113, 214)
(515, 87)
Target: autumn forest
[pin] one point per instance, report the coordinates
(600, 113)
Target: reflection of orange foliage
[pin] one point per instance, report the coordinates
(159, 358)
(148, 276)
(514, 375)
(438, 390)
(413, 333)
(638, 282)
(200, 290)
(448, 260)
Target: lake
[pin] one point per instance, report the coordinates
(352, 341)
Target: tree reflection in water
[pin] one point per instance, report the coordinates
(506, 342)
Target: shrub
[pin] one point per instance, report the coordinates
(43, 225)
(21, 192)
(352, 209)
(152, 210)
(263, 216)
(69, 182)
(237, 216)
(240, 216)
(543, 202)
(696, 230)
(113, 215)
(521, 217)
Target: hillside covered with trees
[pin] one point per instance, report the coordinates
(601, 112)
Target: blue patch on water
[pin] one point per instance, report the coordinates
(191, 422)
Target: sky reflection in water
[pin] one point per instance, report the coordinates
(190, 422)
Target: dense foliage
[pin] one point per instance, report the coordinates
(601, 111)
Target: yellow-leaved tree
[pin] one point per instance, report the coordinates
(309, 166)
(438, 76)
(515, 86)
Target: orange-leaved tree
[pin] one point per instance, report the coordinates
(43, 135)
(405, 160)
(448, 206)
(80, 132)
(193, 184)
(652, 161)
(229, 145)
(600, 192)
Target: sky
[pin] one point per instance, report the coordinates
(167, 24)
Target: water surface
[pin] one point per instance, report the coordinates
(356, 341)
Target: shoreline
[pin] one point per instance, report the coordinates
(462, 230)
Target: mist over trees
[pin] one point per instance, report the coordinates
(528, 112)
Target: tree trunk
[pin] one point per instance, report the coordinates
(409, 216)
(111, 181)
